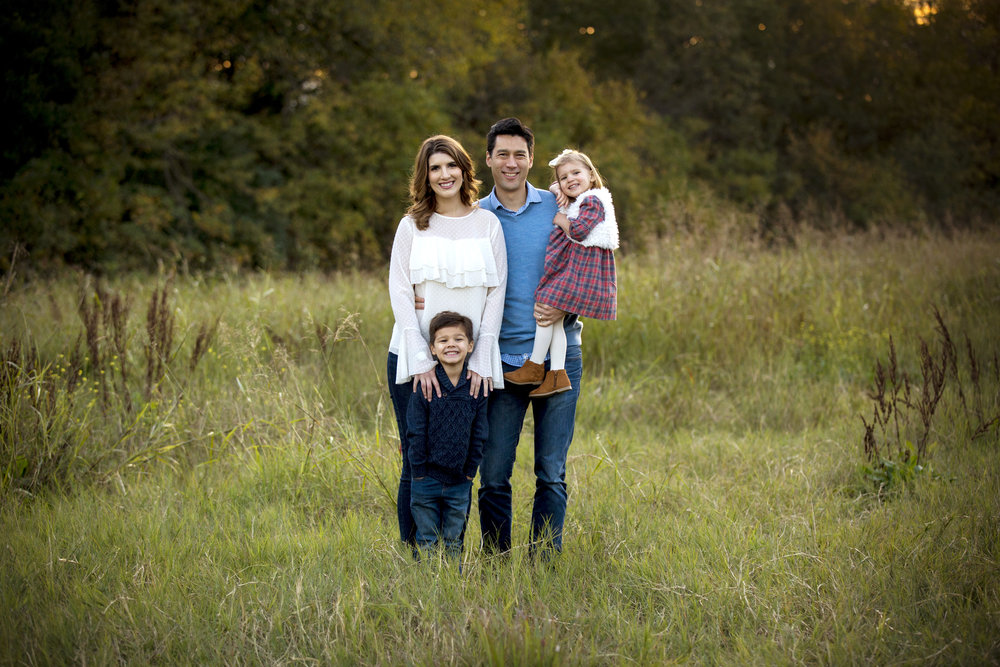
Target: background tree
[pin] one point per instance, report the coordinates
(280, 134)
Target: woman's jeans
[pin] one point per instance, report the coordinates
(400, 395)
(439, 511)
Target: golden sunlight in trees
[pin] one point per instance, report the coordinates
(923, 11)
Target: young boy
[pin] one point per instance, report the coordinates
(446, 436)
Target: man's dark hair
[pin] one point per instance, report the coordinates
(511, 126)
(448, 318)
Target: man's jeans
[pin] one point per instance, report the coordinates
(440, 511)
(400, 395)
(554, 418)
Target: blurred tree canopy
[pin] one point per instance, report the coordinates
(281, 134)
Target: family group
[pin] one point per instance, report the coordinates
(488, 296)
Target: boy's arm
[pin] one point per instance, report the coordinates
(480, 431)
(416, 434)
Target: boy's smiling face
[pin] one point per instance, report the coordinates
(451, 346)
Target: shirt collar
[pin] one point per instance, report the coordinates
(445, 381)
(532, 198)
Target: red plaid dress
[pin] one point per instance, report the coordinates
(580, 279)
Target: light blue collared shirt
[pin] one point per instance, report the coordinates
(526, 234)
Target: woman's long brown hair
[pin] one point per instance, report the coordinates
(423, 202)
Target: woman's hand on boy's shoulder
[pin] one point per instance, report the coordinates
(477, 382)
(427, 383)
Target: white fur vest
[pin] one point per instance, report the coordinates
(605, 233)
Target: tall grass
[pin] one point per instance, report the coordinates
(224, 492)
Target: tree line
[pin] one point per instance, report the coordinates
(280, 134)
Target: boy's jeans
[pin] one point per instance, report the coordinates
(440, 511)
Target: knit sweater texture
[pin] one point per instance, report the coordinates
(446, 434)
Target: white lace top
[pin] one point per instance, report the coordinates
(457, 264)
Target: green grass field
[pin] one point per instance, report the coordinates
(202, 470)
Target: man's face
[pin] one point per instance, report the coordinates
(510, 162)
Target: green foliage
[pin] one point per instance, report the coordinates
(878, 110)
(237, 134)
(279, 135)
(887, 475)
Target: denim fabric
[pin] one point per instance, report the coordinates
(400, 395)
(554, 420)
(440, 511)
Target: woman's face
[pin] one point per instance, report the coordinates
(574, 178)
(444, 175)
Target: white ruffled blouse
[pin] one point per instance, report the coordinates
(457, 264)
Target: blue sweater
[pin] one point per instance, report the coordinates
(526, 233)
(446, 435)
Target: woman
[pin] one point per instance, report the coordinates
(451, 254)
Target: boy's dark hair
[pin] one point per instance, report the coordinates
(511, 126)
(448, 318)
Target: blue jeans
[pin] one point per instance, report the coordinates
(400, 395)
(554, 421)
(440, 511)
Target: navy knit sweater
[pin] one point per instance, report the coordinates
(446, 435)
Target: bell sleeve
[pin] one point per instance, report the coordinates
(414, 352)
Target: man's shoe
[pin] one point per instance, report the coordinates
(554, 383)
(529, 373)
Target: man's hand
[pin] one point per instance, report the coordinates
(546, 315)
(418, 302)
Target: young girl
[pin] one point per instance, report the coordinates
(579, 272)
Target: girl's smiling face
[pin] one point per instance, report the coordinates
(574, 178)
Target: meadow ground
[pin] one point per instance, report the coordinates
(202, 469)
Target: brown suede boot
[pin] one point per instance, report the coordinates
(529, 373)
(554, 383)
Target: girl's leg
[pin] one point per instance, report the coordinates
(533, 370)
(557, 348)
(543, 338)
(556, 380)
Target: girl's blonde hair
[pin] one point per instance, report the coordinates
(422, 199)
(570, 155)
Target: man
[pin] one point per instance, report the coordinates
(526, 215)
